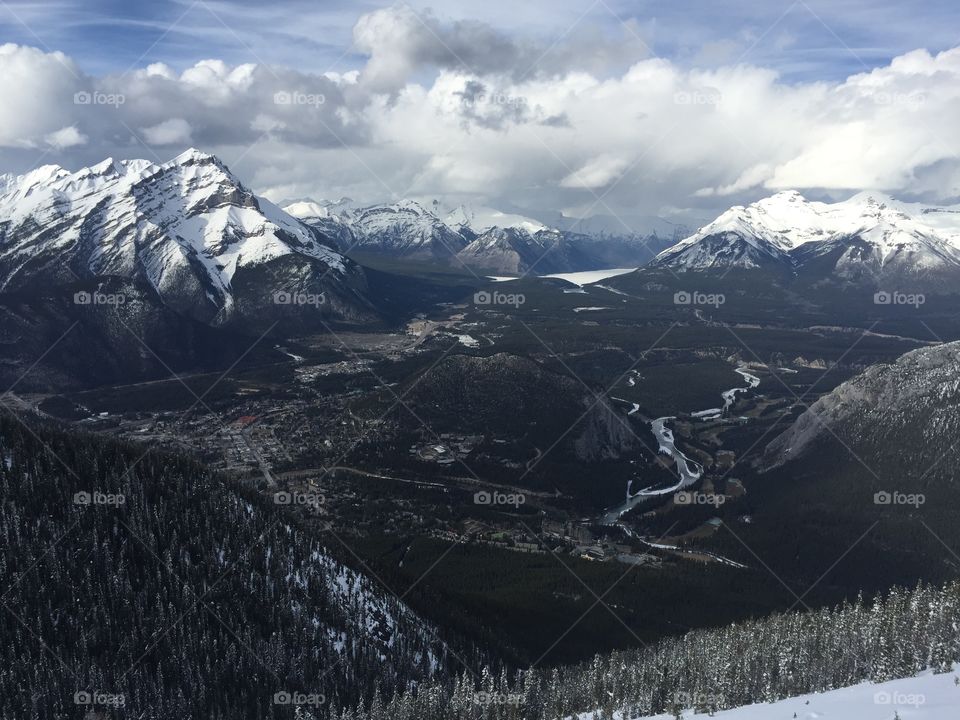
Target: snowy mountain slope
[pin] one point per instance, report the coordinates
(405, 228)
(725, 248)
(187, 228)
(869, 237)
(757, 666)
(925, 697)
(501, 250)
(327, 218)
(307, 208)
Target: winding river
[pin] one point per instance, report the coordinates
(688, 471)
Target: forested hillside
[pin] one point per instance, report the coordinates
(162, 593)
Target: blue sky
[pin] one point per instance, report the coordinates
(807, 39)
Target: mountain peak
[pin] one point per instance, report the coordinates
(103, 167)
(25, 184)
(193, 156)
(871, 198)
(480, 218)
(412, 205)
(789, 196)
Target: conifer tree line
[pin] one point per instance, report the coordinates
(899, 635)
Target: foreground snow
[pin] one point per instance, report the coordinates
(925, 697)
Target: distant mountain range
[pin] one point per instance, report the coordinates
(479, 238)
(191, 236)
(190, 260)
(868, 239)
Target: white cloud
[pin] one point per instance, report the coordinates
(159, 70)
(400, 41)
(653, 135)
(66, 137)
(753, 177)
(175, 131)
(596, 173)
(36, 95)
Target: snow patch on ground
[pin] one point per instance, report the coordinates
(469, 341)
(925, 697)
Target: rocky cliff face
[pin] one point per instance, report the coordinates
(909, 411)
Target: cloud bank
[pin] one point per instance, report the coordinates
(461, 109)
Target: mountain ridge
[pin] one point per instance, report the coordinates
(478, 238)
(188, 229)
(868, 238)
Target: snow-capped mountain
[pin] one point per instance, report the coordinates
(308, 208)
(478, 237)
(868, 238)
(402, 229)
(187, 229)
(405, 228)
